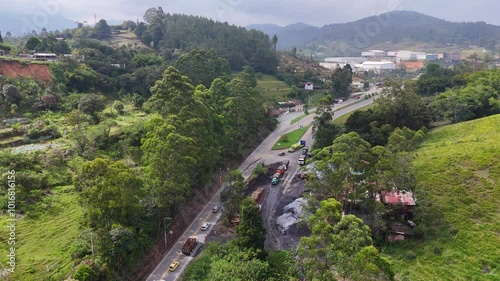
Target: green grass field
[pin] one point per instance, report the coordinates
(458, 173)
(293, 138)
(42, 246)
(270, 86)
(124, 38)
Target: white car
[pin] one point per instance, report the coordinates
(205, 226)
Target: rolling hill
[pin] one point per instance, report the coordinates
(458, 172)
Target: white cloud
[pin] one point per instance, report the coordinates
(244, 12)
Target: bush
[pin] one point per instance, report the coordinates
(119, 107)
(410, 255)
(437, 250)
(259, 170)
(284, 138)
(84, 273)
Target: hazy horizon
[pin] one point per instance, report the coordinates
(243, 13)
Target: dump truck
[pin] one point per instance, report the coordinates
(281, 169)
(305, 150)
(257, 194)
(294, 147)
(275, 179)
(302, 159)
(189, 246)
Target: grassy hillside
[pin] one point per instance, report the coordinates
(458, 171)
(270, 86)
(43, 243)
(124, 38)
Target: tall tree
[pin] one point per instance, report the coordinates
(274, 41)
(1, 39)
(341, 81)
(110, 193)
(32, 43)
(232, 196)
(102, 29)
(203, 67)
(313, 254)
(251, 233)
(170, 94)
(170, 160)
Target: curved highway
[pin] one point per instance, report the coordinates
(262, 153)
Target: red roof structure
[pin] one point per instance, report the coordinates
(396, 197)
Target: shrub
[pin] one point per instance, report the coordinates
(259, 170)
(119, 107)
(437, 250)
(284, 138)
(410, 255)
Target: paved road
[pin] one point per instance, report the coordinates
(263, 153)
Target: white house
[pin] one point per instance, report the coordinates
(309, 86)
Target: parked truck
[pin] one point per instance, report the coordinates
(294, 147)
(302, 159)
(190, 245)
(257, 195)
(275, 179)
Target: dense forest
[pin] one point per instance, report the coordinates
(193, 98)
(167, 33)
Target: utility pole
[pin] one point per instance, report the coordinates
(95, 18)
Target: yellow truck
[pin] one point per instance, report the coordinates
(294, 147)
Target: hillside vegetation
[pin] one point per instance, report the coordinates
(349, 39)
(270, 86)
(458, 171)
(45, 241)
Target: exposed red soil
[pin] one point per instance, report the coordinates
(14, 69)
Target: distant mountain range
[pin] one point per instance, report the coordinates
(19, 24)
(350, 38)
(291, 35)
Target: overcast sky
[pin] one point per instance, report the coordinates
(245, 12)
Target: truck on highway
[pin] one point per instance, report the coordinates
(189, 246)
(296, 146)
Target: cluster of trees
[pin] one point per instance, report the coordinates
(203, 67)
(24, 94)
(243, 258)
(340, 248)
(480, 97)
(198, 128)
(350, 168)
(193, 131)
(240, 47)
(416, 104)
(47, 44)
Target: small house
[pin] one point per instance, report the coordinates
(309, 86)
